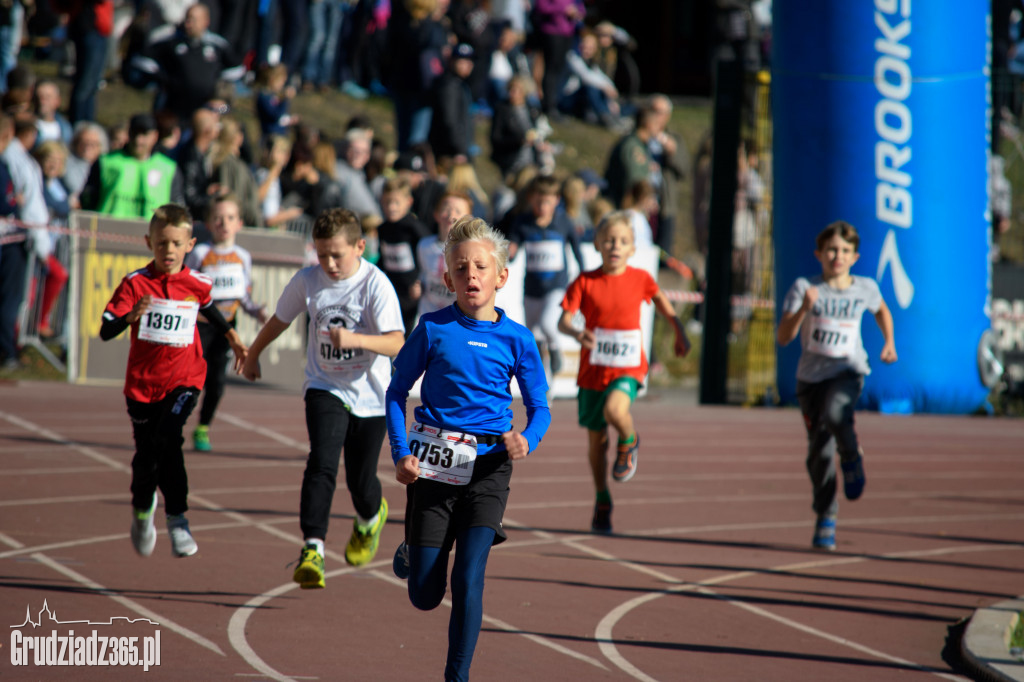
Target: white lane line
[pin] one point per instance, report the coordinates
(21, 550)
(835, 639)
(52, 436)
(128, 603)
(301, 446)
(507, 627)
(236, 630)
(931, 497)
(100, 497)
(604, 631)
(850, 525)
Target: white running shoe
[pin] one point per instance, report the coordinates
(143, 531)
(182, 543)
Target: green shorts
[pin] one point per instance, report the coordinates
(591, 402)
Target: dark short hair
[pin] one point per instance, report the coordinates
(338, 222)
(841, 228)
(545, 184)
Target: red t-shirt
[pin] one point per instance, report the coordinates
(154, 369)
(609, 302)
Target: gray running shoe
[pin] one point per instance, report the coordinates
(182, 544)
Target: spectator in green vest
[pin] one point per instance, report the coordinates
(133, 182)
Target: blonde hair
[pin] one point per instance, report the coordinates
(614, 218)
(324, 158)
(462, 178)
(573, 190)
(527, 83)
(50, 148)
(227, 140)
(470, 229)
(266, 74)
(370, 223)
(174, 215)
(420, 9)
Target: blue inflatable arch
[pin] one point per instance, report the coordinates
(881, 118)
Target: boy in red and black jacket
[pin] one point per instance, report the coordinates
(166, 371)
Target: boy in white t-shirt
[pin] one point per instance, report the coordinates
(826, 312)
(355, 326)
(230, 268)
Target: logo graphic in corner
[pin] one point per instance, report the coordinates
(93, 649)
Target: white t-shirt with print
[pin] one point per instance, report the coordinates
(364, 303)
(830, 335)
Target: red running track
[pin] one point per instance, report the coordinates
(709, 576)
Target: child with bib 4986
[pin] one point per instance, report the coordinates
(230, 267)
(457, 456)
(612, 358)
(826, 312)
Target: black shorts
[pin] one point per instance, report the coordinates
(439, 511)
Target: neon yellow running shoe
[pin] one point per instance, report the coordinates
(362, 546)
(309, 574)
(201, 439)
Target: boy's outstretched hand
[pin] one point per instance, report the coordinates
(407, 470)
(889, 353)
(251, 367)
(239, 349)
(682, 344)
(516, 444)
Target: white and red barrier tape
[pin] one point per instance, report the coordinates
(15, 237)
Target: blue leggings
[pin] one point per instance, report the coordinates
(428, 572)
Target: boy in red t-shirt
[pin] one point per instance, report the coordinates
(612, 360)
(166, 371)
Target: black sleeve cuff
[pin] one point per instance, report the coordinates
(216, 318)
(112, 326)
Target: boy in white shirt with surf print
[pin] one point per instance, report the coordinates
(826, 312)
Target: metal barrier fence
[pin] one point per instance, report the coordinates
(1007, 168)
(41, 318)
(751, 339)
(42, 322)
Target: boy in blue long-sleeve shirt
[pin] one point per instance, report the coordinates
(457, 458)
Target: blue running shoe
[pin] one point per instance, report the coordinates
(400, 565)
(825, 533)
(853, 477)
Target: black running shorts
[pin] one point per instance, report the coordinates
(439, 511)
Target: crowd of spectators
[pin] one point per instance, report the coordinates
(446, 66)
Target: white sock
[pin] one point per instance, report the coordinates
(318, 543)
(366, 525)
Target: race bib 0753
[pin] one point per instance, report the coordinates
(445, 456)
